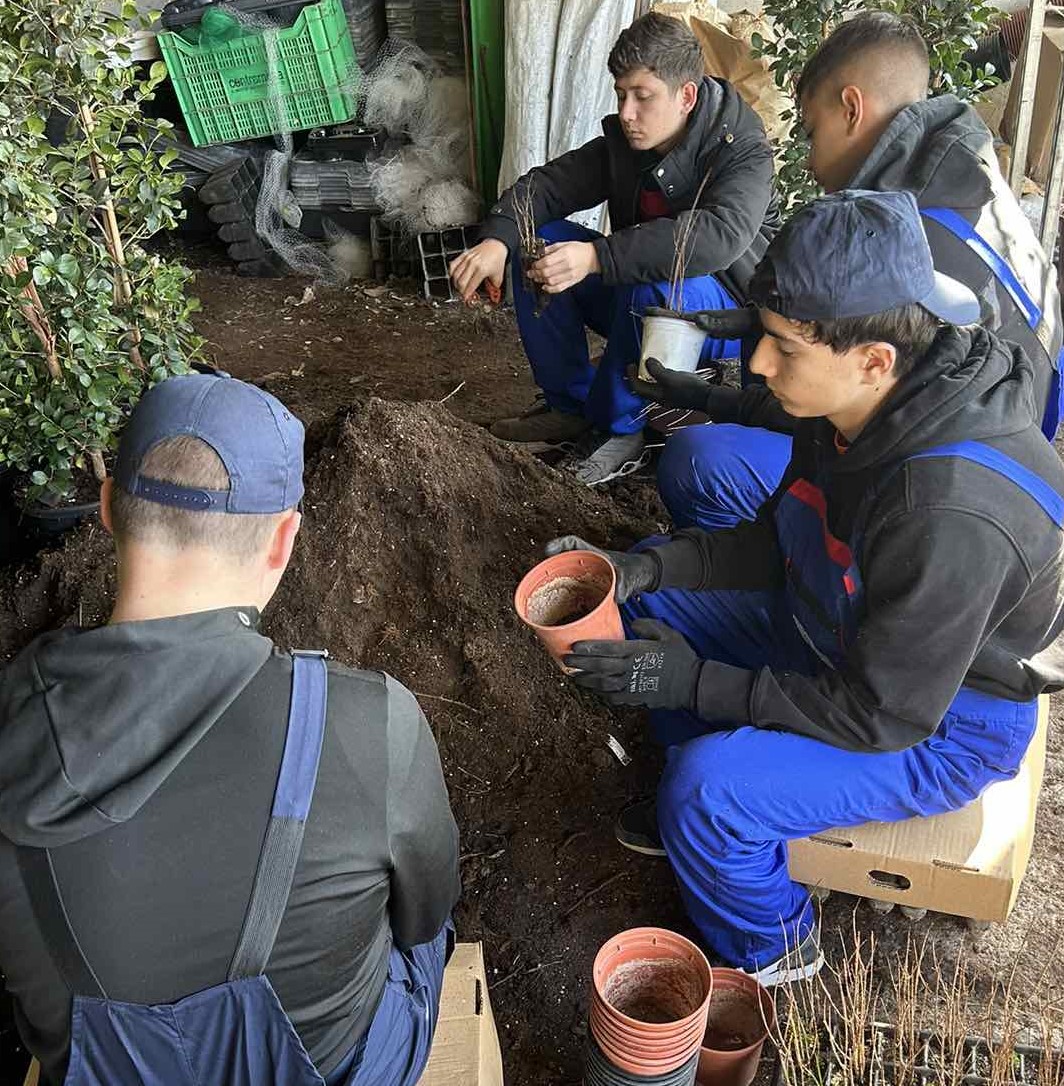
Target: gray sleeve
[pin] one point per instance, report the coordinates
(422, 835)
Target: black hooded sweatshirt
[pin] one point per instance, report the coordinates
(732, 222)
(941, 151)
(144, 756)
(962, 569)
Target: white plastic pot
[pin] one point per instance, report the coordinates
(674, 342)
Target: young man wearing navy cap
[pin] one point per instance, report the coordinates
(219, 862)
(871, 644)
(870, 124)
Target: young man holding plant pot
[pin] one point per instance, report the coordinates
(869, 122)
(683, 153)
(219, 862)
(870, 645)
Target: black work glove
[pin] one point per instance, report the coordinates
(672, 388)
(660, 671)
(635, 572)
(718, 323)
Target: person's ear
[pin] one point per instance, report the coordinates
(106, 490)
(283, 539)
(688, 97)
(854, 107)
(877, 365)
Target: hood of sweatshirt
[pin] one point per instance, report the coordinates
(93, 721)
(970, 386)
(939, 150)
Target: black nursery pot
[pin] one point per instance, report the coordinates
(25, 529)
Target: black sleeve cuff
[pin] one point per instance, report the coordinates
(722, 404)
(679, 564)
(501, 229)
(724, 692)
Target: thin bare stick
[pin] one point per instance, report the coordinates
(449, 701)
(681, 236)
(592, 892)
(32, 309)
(453, 392)
(112, 237)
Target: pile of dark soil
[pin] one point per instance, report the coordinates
(417, 528)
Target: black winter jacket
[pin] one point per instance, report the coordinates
(941, 152)
(962, 570)
(735, 218)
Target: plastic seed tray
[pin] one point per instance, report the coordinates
(934, 1065)
(437, 248)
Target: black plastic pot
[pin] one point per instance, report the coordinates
(24, 530)
(598, 1071)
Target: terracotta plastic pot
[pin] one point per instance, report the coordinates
(741, 1016)
(650, 996)
(569, 598)
(599, 1071)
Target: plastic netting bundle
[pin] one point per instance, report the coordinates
(422, 184)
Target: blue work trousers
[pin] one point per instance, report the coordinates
(555, 341)
(731, 797)
(396, 1047)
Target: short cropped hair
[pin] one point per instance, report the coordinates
(910, 330)
(664, 46)
(855, 39)
(187, 461)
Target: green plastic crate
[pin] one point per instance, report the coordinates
(224, 87)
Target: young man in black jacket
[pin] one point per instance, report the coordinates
(872, 644)
(139, 779)
(683, 155)
(870, 125)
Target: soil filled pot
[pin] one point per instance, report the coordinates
(599, 1071)
(674, 342)
(741, 1016)
(650, 996)
(569, 598)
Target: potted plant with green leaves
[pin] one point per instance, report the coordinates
(89, 316)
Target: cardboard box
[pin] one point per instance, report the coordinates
(966, 863)
(465, 1050)
(1047, 87)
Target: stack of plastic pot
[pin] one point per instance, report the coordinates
(650, 998)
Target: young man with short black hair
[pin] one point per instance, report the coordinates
(683, 153)
(870, 124)
(870, 645)
(218, 861)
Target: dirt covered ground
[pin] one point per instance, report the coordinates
(418, 526)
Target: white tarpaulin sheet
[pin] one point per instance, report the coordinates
(558, 87)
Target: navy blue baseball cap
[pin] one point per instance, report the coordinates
(257, 438)
(853, 254)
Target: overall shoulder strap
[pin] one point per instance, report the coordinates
(963, 230)
(1034, 486)
(288, 817)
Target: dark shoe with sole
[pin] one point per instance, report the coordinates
(637, 828)
(541, 423)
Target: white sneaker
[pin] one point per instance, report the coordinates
(801, 963)
(610, 458)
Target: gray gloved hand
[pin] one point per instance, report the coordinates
(672, 388)
(660, 671)
(635, 572)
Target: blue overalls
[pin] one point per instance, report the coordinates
(760, 456)
(729, 800)
(236, 1033)
(555, 341)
